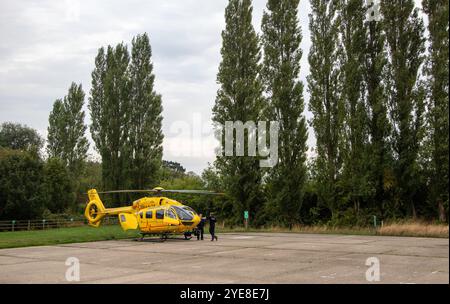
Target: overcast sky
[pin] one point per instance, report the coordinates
(45, 45)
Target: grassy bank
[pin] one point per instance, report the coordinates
(414, 229)
(114, 232)
(411, 229)
(62, 236)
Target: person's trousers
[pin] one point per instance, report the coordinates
(200, 234)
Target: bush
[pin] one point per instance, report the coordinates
(58, 186)
(22, 191)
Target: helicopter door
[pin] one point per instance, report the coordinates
(148, 218)
(142, 220)
(158, 222)
(170, 218)
(128, 221)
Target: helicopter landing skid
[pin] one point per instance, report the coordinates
(162, 238)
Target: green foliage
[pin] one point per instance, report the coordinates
(211, 178)
(145, 138)
(281, 67)
(239, 98)
(22, 190)
(355, 129)
(405, 93)
(379, 154)
(58, 186)
(92, 177)
(171, 170)
(109, 104)
(20, 137)
(66, 131)
(326, 103)
(126, 116)
(188, 181)
(437, 72)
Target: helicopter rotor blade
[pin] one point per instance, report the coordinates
(193, 192)
(163, 190)
(126, 191)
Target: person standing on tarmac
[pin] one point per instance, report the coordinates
(212, 226)
(201, 227)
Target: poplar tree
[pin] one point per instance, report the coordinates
(437, 72)
(145, 121)
(405, 44)
(353, 30)
(239, 98)
(110, 112)
(282, 54)
(379, 162)
(56, 130)
(325, 101)
(66, 132)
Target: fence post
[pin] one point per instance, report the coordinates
(29, 225)
(43, 224)
(13, 222)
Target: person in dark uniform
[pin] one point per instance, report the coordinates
(201, 227)
(212, 226)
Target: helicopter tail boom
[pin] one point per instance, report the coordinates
(95, 210)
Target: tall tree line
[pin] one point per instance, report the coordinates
(381, 102)
(254, 88)
(379, 107)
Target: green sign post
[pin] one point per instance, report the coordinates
(246, 219)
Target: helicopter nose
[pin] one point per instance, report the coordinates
(196, 219)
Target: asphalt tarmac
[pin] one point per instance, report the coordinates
(235, 258)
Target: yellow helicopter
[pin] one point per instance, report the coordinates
(152, 215)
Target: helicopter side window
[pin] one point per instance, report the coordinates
(171, 214)
(149, 214)
(160, 214)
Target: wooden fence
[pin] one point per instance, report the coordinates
(21, 225)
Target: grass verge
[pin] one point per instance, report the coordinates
(63, 236)
(411, 229)
(415, 229)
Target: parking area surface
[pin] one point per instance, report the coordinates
(236, 258)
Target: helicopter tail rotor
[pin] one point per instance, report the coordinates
(95, 210)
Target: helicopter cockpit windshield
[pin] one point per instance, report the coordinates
(183, 215)
(188, 209)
